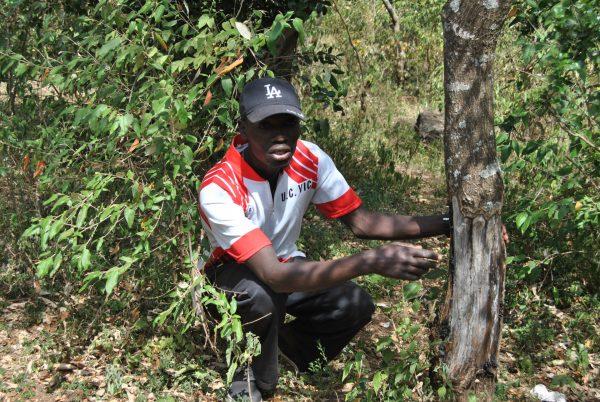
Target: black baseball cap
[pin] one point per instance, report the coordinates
(265, 97)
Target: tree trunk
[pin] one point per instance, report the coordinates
(472, 318)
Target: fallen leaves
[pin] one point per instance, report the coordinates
(63, 367)
(39, 169)
(133, 146)
(208, 98)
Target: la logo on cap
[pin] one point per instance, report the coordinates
(272, 92)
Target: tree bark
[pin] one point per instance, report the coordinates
(471, 317)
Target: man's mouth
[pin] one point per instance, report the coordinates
(281, 154)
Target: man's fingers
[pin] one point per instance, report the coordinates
(424, 263)
(419, 268)
(428, 254)
(410, 245)
(505, 235)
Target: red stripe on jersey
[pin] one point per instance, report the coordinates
(302, 159)
(217, 256)
(295, 175)
(223, 171)
(307, 154)
(341, 206)
(249, 173)
(223, 175)
(227, 182)
(305, 161)
(226, 186)
(248, 245)
(297, 166)
(298, 174)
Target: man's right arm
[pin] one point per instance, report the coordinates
(394, 260)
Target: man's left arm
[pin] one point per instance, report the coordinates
(366, 224)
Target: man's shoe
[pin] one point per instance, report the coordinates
(243, 387)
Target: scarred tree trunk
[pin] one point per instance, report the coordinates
(471, 318)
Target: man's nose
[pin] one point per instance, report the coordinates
(281, 136)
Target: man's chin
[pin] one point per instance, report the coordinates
(281, 164)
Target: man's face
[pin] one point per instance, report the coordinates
(271, 142)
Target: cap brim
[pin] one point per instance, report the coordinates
(265, 111)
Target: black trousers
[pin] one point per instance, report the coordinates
(329, 317)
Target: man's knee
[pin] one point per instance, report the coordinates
(356, 304)
(366, 307)
(259, 306)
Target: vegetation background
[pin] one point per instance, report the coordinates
(111, 112)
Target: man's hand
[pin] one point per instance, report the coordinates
(402, 261)
(505, 235)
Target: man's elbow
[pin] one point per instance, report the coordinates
(273, 279)
(275, 284)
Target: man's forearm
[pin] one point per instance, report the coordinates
(371, 225)
(394, 260)
(305, 275)
(431, 225)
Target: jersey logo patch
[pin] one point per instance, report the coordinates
(272, 92)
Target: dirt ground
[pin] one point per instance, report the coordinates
(44, 358)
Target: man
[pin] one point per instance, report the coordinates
(252, 203)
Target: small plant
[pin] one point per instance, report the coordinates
(114, 379)
(402, 362)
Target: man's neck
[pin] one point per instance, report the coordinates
(270, 176)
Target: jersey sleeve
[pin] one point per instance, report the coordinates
(333, 196)
(237, 235)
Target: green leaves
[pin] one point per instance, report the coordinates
(160, 105)
(411, 290)
(227, 85)
(205, 20)
(82, 215)
(43, 267)
(299, 27)
(549, 149)
(279, 24)
(521, 219)
(124, 122)
(379, 380)
(243, 30)
(108, 47)
(112, 278)
(21, 69)
(85, 259)
(129, 214)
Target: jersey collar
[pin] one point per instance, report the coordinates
(237, 161)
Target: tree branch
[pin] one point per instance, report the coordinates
(393, 15)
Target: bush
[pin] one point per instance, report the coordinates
(112, 114)
(550, 142)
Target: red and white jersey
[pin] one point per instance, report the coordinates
(240, 215)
